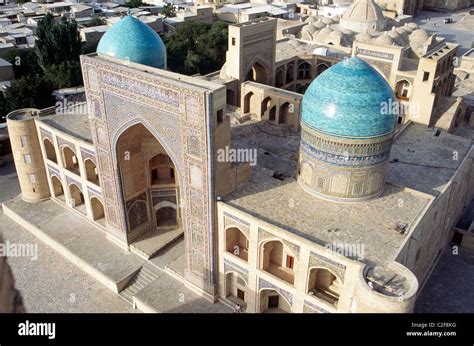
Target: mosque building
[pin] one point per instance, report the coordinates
(347, 209)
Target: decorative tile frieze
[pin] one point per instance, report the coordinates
(312, 308)
(233, 221)
(264, 235)
(264, 284)
(316, 260)
(230, 266)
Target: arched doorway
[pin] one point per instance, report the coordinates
(97, 207)
(402, 90)
(70, 160)
(236, 289)
(257, 74)
(280, 78)
(271, 301)
(277, 260)
(304, 70)
(237, 243)
(50, 151)
(58, 190)
(149, 181)
(272, 113)
(290, 74)
(77, 198)
(91, 171)
(265, 105)
(247, 102)
(284, 117)
(324, 285)
(166, 217)
(162, 170)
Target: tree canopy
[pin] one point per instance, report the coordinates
(58, 41)
(196, 47)
(29, 91)
(169, 11)
(24, 61)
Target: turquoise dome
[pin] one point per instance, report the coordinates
(350, 99)
(130, 39)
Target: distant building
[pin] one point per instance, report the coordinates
(296, 184)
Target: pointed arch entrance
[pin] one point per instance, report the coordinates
(150, 183)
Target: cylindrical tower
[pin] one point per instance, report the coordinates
(347, 125)
(27, 155)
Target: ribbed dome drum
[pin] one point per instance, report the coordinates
(347, 125)
(132, 40)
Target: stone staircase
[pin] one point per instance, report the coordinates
(142, 278)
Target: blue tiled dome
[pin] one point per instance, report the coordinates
(130, 39)
(347, 99)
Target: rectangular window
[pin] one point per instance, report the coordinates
(426, 76)
(32, 178)
(220, 116)
(290, 261)
(27, 158)
(240, 294)
(24, 141)
(233, 41)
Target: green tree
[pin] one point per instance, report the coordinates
(4, 109)
(96, 21)
(169, 11)
(58, 41)
(196, 47)
(134, 3)
(29, 91)
(24, 61)
(64, 75)
(89, 47)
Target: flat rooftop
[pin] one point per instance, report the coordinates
(285, 204)
(422, 161)
(74, 121)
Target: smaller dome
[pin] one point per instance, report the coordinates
(407, 28)
(384, 39)
(403, 33)
(319, 24)
(311, 19)
(347, 32)
(132, 40)
(364, 10)
(310, 28)
(327, 20)
(336, 33)
(364, 37)
(326, 31)
(419, 36)
(397, 38)
(413, 25)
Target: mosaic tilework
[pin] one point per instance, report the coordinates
(354, 112)
(262, 284)
(312, 308)
(263, 235)
(175, 114)
(230, 266)
(316, 260)
(234, 221)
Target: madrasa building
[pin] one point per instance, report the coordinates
(343, 209)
